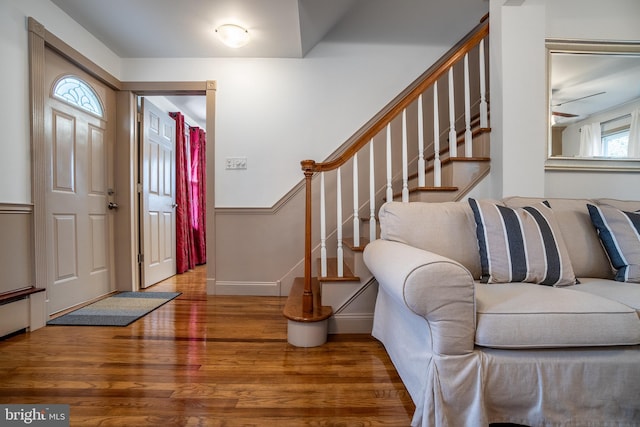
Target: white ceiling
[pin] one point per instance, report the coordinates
(278, 28)
(185, 28)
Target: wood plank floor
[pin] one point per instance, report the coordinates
(204, 361)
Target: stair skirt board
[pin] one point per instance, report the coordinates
(355, 315)
(262, 289)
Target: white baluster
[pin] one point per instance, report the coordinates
(356, 216)
(421, 164)
(405, 165)
(468, 147)
(389, 185)
(484, 113)
(340, 253)
(323, 230)
(437, 173)
(453, 136)
(372, 194)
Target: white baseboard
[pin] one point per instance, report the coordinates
(211, 286)
(351, 323)
(263, 289)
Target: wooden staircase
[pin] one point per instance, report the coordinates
(338, 295)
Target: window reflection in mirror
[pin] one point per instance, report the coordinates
(594, 100)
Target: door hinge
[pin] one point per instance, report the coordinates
(140, 258)
(139, 117)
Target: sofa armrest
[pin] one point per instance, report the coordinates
(437, 288)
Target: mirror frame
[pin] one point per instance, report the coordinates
(576, 163)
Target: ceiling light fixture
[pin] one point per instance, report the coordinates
(233, 35)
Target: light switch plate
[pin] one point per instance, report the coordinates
(236, 163)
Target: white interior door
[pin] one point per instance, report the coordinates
(158, 135)
(79, 176)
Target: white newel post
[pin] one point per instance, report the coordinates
(437, 173)
(339, 252)
(484, 110)
(453, 136)
(405, 165)
(356, 216)
(421, 163)
(389, 185)
(468, 144)
(323, 230)
(372, 194)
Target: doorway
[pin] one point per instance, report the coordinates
(173, 186)
(125, 272)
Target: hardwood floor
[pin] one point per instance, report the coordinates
(204, 361)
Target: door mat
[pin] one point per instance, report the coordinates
(118, 310)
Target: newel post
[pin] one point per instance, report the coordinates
(308, 167)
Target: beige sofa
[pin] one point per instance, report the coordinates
(473, 353)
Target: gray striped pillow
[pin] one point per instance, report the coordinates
(521, 245)
(619, 232)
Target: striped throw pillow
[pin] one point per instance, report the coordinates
(521, 245)
(619, 233)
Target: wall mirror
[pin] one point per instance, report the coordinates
(593, 104)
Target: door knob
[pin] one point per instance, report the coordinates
(112, 205)
(175, 205)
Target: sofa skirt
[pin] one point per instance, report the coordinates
(595, 386)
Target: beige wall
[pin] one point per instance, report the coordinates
(16, 248)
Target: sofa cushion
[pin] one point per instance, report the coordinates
(525, 315)
(445, 228)
(620, 234)
(588, 257)
(521, 245)
(623, 292)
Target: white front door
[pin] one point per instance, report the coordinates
(158, 138)
(79, 143)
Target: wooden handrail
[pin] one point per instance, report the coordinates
(420, 85)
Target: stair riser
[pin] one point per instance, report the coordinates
(432, 197)
(465, 173)
(356, 264)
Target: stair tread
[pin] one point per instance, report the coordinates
(332, 272)
(348, 241)
(293, 308)
(469, 159)
(429, 188)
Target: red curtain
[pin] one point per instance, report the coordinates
(184, 233)
(191, 243)
(198, 143)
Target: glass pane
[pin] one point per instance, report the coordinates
(78, 93)
(615, 145)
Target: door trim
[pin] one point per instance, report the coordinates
(125, 157)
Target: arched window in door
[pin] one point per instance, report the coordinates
(77, 92)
